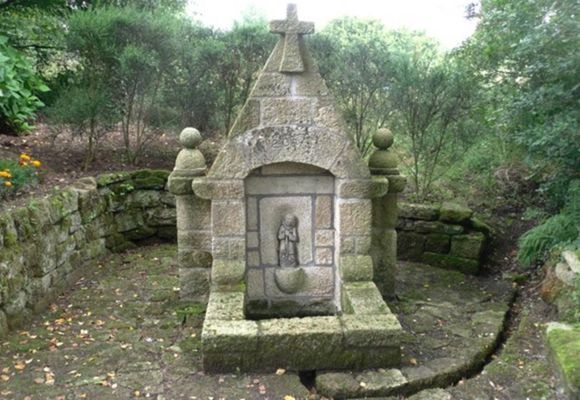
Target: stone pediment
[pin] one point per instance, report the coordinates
(289, 116)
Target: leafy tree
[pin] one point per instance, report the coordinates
(526, 53)
(429, 98)
(130, 52)
(19, 87)
(355, 60)
(86, 110)
(244, 50)
(192, 87)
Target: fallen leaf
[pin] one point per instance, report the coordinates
(39, 380)
(20, 365)
(280, 371)
(4, 378)
(288, 397)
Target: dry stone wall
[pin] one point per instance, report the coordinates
(446, 235)
(44, 245)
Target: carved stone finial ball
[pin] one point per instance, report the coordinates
(383, 139)
(190, 138)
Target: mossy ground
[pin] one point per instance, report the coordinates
(122, 333)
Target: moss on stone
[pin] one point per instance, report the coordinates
(8, 230)
(453, 212)
(480, 226)
(108, 179)
(564, 341)
(464, 265)
(149, 179)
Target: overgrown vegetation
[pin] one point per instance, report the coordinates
(19, 87)
(495, 120)
(557, 232)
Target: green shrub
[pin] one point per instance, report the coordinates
(15, 176)
(557, 231)
(18, 88)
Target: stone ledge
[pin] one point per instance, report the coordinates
(320, 342)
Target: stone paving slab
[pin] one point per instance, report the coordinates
(122, 333)
(452, 323)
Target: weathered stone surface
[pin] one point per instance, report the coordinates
(362, 298)
(379, 330)
(323, 212)
(227, 272)
(437, 227)
(225, 306)
(467, 246)
(266, 185)
(438, 243)
(337, 384)
(255, 283)
(248, 118)
(287, 111)
(452, 212)
(363, 188)
(291, 168)
(324, 256)
(324, 237)
(299, 342)
(252, 213)
(384, 254)
(218, 189)
(319, 282)
(432, 394)
(410, 246)
(465, 265)
(385, 211)
(271, 84)
(355, 217)
(194, 283)
(356, 268)
(228, 218)
(564, 343)
(221, 336)
(419, 211)
(397, 183)
(315, 146)
(188, 159)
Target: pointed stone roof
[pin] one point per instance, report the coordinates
(289, 115)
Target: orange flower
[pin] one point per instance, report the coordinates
(5, 174)
(36, 163)
(8, 183)
(24, 157)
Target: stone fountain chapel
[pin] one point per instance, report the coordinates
(289, 232)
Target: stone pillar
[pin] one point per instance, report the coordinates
(193, 220)
(383, 163)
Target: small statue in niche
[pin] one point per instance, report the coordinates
(288, 237)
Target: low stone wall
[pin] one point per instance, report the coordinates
(44, 245)
(445, 235)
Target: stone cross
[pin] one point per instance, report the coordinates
(291, 29)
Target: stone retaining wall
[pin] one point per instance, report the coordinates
(445, 235)
(44, 245)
